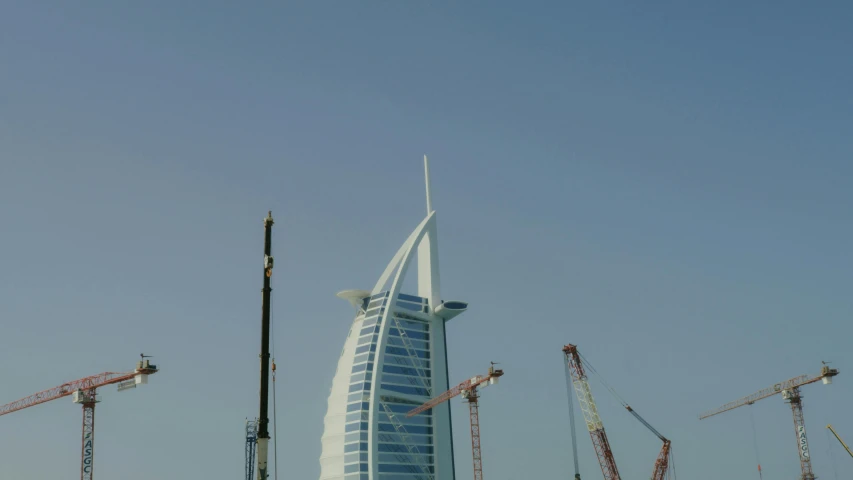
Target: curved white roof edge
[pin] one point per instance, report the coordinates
(354, 297)
(450, 308)
(405, 254)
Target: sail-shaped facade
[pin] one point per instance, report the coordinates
(393, 360)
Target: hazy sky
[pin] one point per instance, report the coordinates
(666, 184)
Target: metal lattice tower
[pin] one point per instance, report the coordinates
(793, 397)
(251, 441)
(474, 410)
(87, 451)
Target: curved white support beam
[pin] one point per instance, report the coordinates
(423, 240)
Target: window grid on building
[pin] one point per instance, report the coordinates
(399, 455)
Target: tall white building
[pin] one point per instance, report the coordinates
(394, 359)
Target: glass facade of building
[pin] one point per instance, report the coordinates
(388, 368)
(405, 447)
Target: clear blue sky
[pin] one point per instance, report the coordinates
(668, 185)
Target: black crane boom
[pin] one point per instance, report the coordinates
(263, 417)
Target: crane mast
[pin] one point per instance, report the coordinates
(790, 390)
(590, 413)
(474, 416)
(792, 396)
(263, 434)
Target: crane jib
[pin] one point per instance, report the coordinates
(825, 374)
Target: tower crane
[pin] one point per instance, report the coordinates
(84, 392)
(469, 390)
(590, 413)
(840, 440)
(790, 390)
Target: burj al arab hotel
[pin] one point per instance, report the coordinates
(393, 360)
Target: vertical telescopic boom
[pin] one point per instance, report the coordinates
(263, 418)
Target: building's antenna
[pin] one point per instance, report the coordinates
(426, 174)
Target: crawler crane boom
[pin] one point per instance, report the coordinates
(590, 414)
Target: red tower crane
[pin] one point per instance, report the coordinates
(83, 391)
(468, 390)
(790, 390)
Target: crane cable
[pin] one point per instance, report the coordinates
(831, 454)
(755, 442)
(829, 438)
(572, 419)
(601, 379)
(274, 420)
(671, 463)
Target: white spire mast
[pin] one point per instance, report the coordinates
(426, 175)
